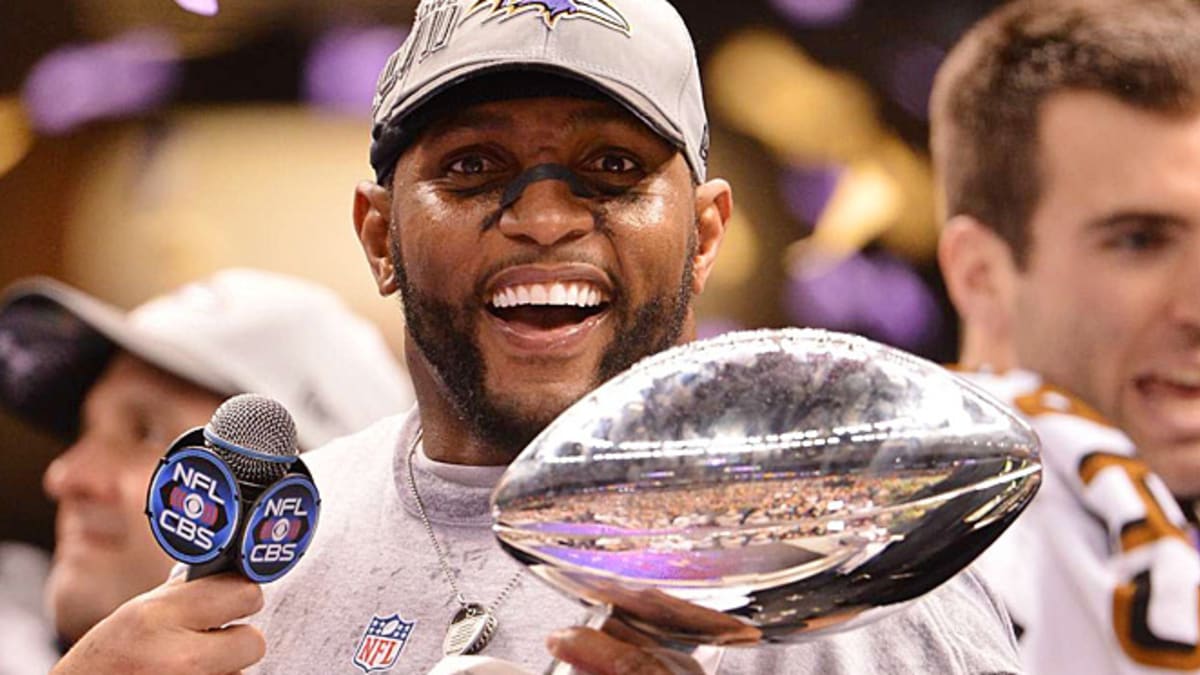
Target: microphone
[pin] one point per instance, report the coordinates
(234, 495)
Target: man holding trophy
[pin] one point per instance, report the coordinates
(541, 208)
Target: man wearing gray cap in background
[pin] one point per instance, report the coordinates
(121, 386)
(541, 207)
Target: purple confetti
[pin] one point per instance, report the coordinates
(714, 326)
(816, 13)
(909, 73)
(205, 7)
(129, 74)
(877, 295)
(343, 66)
(806, 190)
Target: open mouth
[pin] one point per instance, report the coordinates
(1180, 385)
(548, 306)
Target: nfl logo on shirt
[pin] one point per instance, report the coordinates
(382, 642)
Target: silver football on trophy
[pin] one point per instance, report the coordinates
(766, 486)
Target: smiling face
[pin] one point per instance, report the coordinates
(1108, 305)
(104, 553)
(518, 311)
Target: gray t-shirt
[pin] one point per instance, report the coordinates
(372, 571)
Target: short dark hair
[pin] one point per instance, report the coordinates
(989, 92)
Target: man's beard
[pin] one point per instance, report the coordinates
(446, 337)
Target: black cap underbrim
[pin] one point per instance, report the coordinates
(49, 359)
(503, 83)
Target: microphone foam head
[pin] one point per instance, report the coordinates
(256, 437)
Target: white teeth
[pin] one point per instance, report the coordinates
(1184, 379)
(558, 294)
(570, 294)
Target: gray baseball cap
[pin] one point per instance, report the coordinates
(239, 330)
(637, 52)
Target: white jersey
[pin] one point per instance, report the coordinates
(1100, 573)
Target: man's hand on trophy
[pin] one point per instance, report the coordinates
(681, 620)
(618, 649)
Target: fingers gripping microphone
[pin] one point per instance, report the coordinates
(233, 495)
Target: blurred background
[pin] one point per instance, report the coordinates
(144, 143)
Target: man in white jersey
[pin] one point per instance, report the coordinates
(542, 209)
(1066, 139)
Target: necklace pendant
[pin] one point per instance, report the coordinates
(470, 630)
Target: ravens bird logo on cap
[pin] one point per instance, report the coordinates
(552, 10)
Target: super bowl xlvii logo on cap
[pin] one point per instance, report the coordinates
(551, 11)
(431, 32)
(382, 642)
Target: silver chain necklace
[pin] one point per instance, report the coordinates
(473, 625)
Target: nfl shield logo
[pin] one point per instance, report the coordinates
(382, 642)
